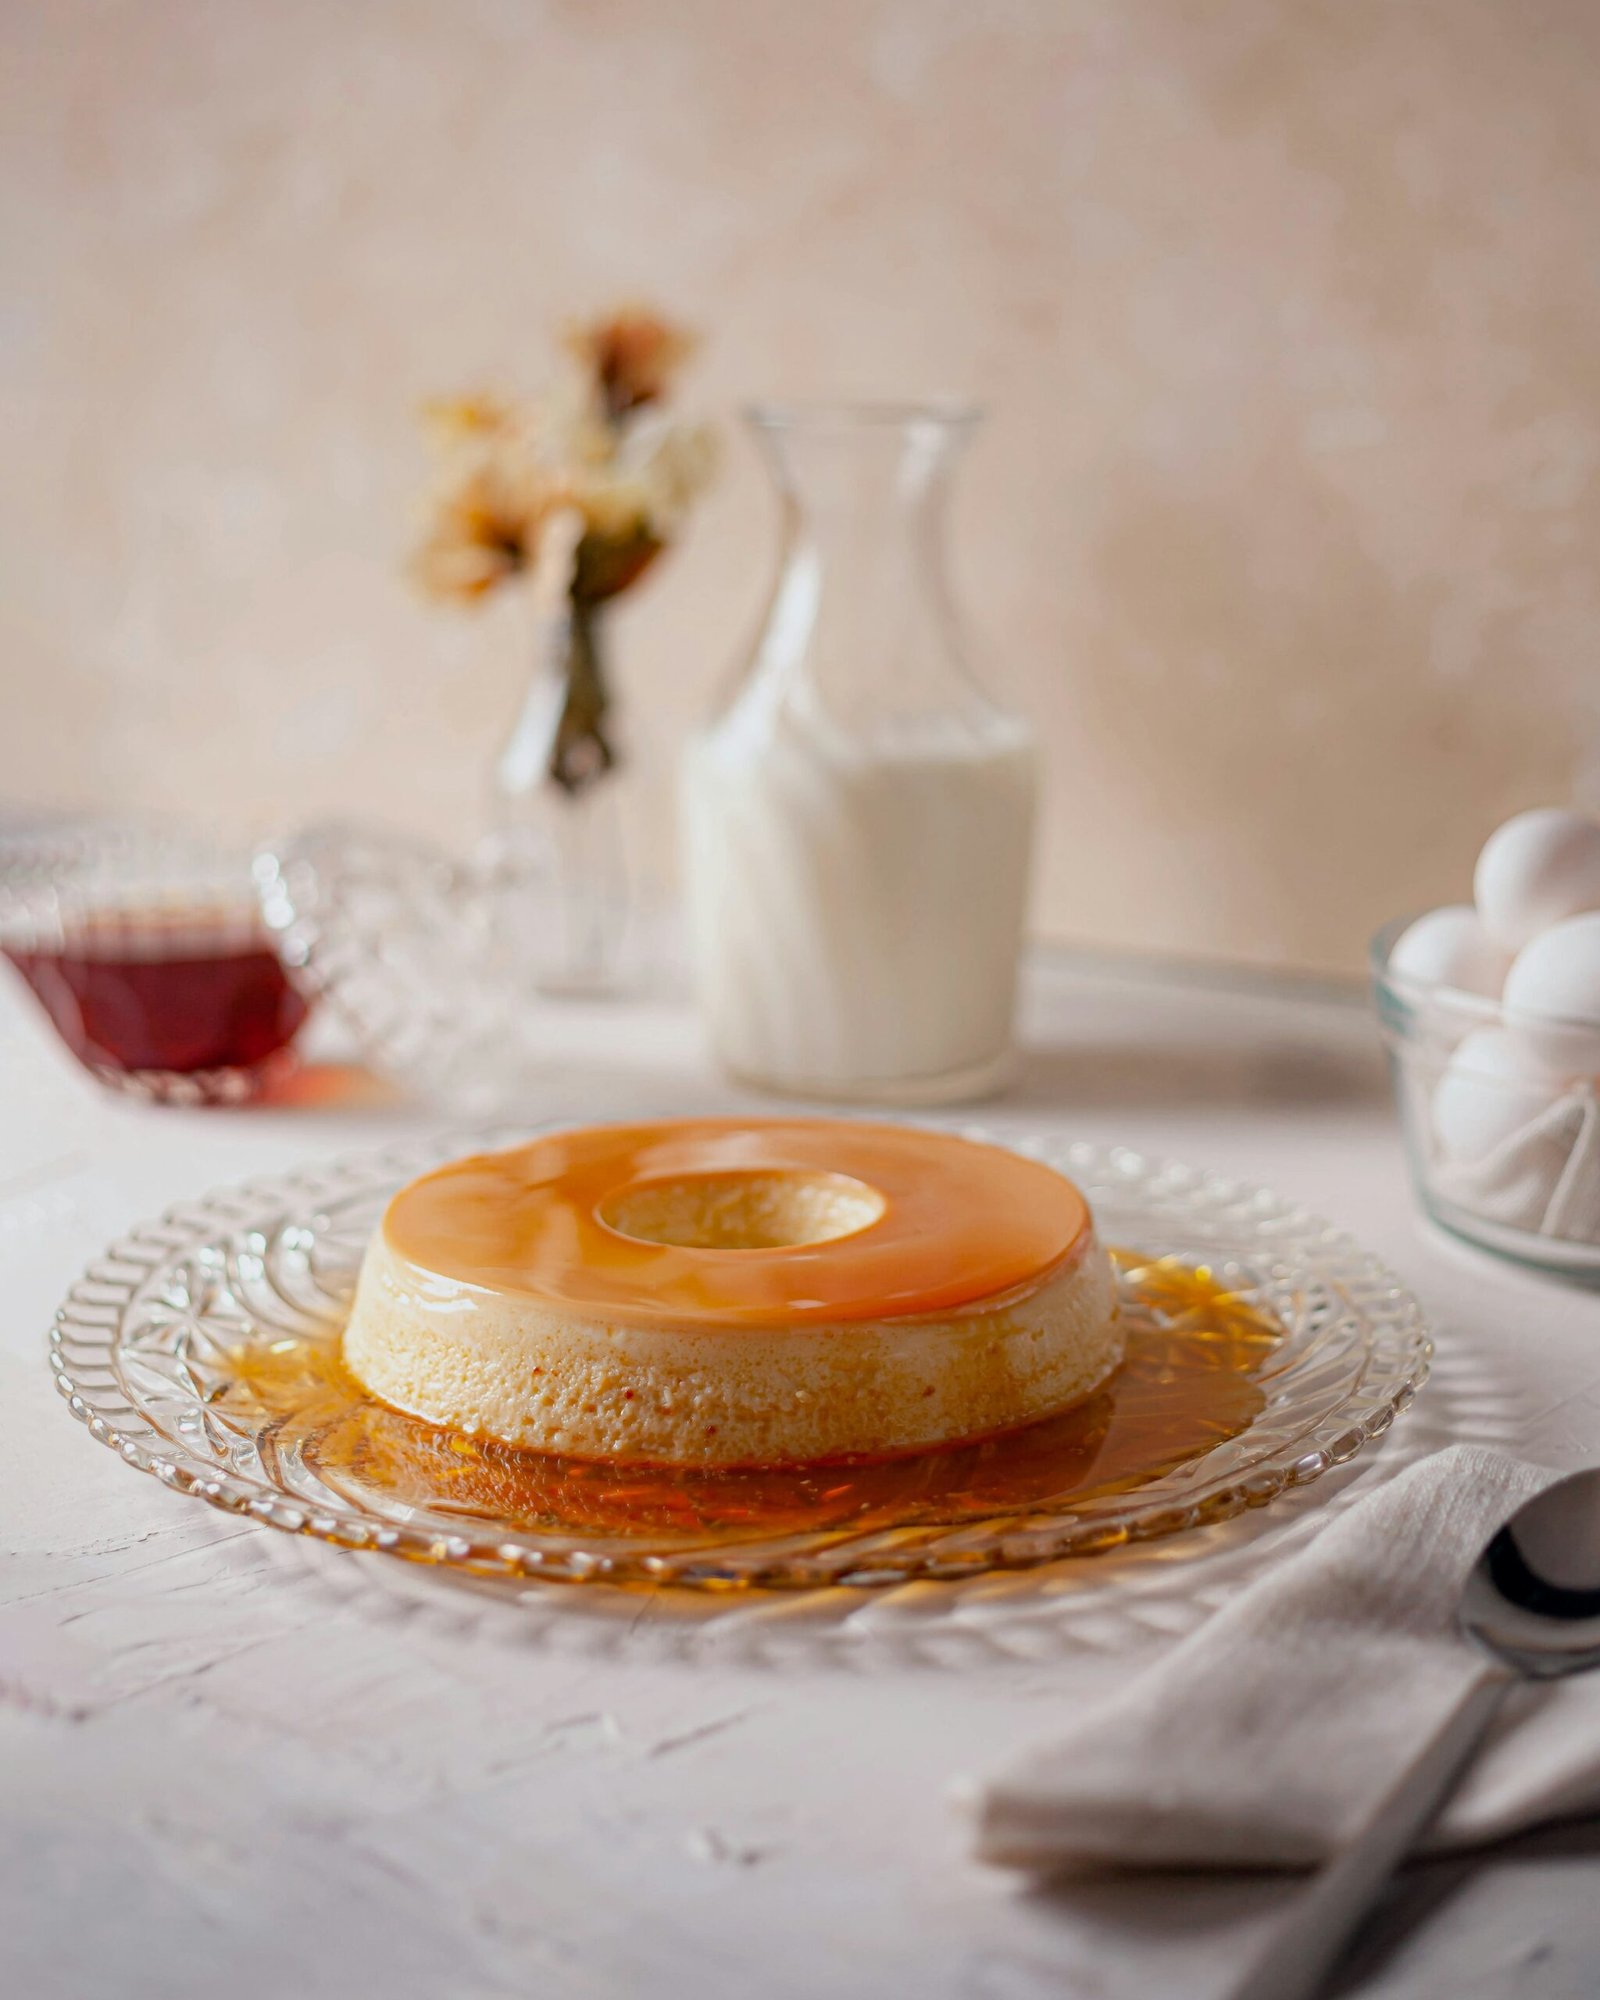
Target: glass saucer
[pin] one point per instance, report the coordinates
(203, 1348)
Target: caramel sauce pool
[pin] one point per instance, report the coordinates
(1188, 1383)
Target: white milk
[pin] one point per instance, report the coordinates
(857, 901)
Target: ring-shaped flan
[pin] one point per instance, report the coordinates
(736, 1292)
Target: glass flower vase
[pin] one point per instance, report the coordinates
(556, 859)
(858, 815)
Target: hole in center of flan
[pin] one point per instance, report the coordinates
(763, 1209)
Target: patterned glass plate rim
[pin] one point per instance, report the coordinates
(276, 1258)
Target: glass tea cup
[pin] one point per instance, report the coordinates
(143, 942)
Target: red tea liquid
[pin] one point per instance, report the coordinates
(166, 993)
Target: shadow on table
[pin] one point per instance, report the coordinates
(1120, 1604)
(337, 1087)
(1149, 1935)
(1093, 1076)
(1566, 1856)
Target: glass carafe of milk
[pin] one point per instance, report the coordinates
(858, 816)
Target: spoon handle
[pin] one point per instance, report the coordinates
(1306, 1944)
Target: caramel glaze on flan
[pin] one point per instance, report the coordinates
(736, 1292)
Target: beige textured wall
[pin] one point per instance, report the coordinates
(1284, 527)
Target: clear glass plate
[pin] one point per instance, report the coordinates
(157, 1345)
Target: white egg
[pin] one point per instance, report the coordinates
(1450, 947)
(1537, 870)
(1552, 995)
(1494, 1086)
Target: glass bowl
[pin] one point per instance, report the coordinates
(143, 942)
(1502, 1151)
(411, 949)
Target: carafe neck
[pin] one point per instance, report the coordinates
(861, 629)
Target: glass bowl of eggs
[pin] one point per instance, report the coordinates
(1491, 1014)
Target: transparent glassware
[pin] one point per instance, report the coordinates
(858, 815)
(144, 944)
(1504, 1157)
(202, 1348)
(555, 855)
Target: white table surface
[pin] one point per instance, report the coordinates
(233, 1763)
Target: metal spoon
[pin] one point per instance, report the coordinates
(1533, 1604)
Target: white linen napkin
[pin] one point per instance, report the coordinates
(1545, 1178)
(1266, 1739)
